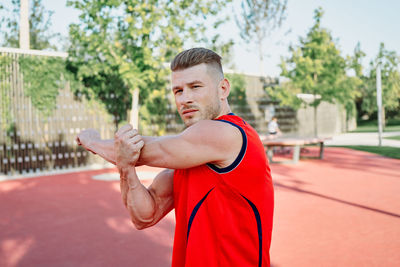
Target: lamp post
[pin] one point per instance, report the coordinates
(24, 25)
(379, 101)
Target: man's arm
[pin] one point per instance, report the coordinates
(206, 141)
(90, 139)
(146, 205)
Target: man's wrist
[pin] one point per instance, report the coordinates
(91, 145)
(125, 170)
(127, 173)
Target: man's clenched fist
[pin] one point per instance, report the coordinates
(128, 144)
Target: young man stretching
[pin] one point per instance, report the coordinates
(217, 177)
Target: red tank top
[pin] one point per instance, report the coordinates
(224, 215)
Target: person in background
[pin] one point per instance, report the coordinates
(273, 128)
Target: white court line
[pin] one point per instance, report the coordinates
(114, 176)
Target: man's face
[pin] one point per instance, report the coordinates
(196, 93)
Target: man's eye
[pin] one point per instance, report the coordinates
(178, 91)
(196, 86)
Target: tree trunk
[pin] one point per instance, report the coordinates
(116, 122)
(134, 114)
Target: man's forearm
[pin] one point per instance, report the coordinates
(103, 148)
(139, 201)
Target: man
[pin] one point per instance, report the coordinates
(218, 179)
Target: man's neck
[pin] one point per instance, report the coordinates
(225, 110)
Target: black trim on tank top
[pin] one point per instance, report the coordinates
(259, 229)
(238, 158)
(194, 211)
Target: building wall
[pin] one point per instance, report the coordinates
(331, 117)
(331, 120)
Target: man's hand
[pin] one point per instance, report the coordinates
(127, 145)
(87, 137)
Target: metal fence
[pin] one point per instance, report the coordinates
(30, 142)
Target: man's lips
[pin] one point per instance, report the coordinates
(188, 111)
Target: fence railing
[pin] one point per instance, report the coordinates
(30, 141)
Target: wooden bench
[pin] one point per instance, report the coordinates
(296, 143)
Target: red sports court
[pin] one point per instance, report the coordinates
(343, 210)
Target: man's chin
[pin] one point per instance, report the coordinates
(191, 121)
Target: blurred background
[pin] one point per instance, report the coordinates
(327, 70)
(70, 65)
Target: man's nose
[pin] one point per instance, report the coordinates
(187, 96)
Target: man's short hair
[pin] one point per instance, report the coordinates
(196, 56)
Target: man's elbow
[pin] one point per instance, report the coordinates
(142, 222)
(140, 225)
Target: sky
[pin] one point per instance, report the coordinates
(350, 21)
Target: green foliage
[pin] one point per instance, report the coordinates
(5, 99)
(39, 22)
(372, 126)
(153, 111)
(396, 137)
(285, 94)
(42, 76)
(119, 46)
(316, 67)
(390, 76)
(387, 151)
(237, 94)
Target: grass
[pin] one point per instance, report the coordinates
(387, 151)
(396, 137)
(372, 126)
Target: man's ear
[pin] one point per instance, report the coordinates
(225, 88)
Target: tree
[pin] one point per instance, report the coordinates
(316, 67)
(119, 49)
(39, 31)
(258, 19)
(390, 75)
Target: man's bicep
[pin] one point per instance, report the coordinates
(203, 142)
(174, 152)
(186, 150)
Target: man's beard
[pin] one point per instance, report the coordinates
(209, 112)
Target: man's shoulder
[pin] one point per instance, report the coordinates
(213, 132)
(214, 126)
